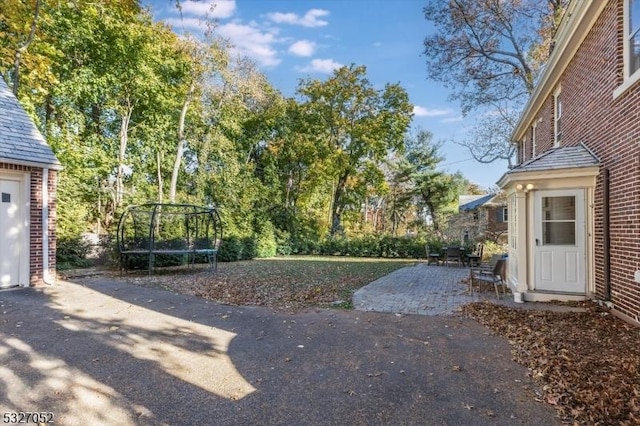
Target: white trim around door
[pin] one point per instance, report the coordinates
(559, 239)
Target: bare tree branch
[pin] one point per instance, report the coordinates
(489, 52)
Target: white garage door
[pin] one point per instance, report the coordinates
(12, 230)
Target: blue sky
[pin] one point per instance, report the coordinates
(294, 39)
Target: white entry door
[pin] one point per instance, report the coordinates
(560, 243)
(11, 233)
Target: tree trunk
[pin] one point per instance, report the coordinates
(336, 211)
(124, 138)
(160, 183)
(435, 218)
(181, 143)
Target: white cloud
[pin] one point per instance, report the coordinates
(377, 44)
(419, 111)
(212, 8)
(302, 48)
(452, 119)
(326, 66)
(189, 24)
(311, 19)
(252, 42)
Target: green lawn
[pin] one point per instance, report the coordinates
(291, 282)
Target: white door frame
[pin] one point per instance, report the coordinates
(23, 178)
(561, 268)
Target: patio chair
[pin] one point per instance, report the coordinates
(497, 277)
(432, 255)
(453, 254)
(483, 268)
(475, 257)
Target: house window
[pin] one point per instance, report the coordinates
(632, 32)
(475, 216)
(533, 139)
(520, 153)
(557, 102)
(631, 46)
(505, 214)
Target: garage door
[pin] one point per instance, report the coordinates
(11, 233)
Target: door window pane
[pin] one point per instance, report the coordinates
(559, 208)
(559, 233)
(559, 220)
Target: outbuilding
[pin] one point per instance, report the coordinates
(28, 176)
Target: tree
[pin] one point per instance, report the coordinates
(435, 191)
(195, 52)
(489, 52)
(23, 46)
(353, 123)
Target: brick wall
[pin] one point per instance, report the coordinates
(35, 220)
(611, 129)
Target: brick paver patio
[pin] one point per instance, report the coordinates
(424, 290)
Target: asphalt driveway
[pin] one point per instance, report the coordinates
(104, 352)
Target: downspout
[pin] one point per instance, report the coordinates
(606, 236)
(46, 277)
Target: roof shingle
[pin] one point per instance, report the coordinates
(20, 140)
(565, 157)
(472, 202)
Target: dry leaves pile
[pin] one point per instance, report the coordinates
(588, 363)
(287, 283)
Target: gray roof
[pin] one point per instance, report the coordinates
(472, 202)
(20, 140)
(565, 157)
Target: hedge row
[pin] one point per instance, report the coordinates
(269, 243)
(235, 248)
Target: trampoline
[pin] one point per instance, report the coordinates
(185, 232)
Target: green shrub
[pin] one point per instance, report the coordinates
(491, 248)
(266, 245)
(369, 245)
(71, 252)
(230, 249)
(303, 245)
(284, 246)
(435, 245)
(335, 246)
(249, 248)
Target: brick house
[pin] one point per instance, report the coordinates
(574, 197)
(479, 218)
(28, 171)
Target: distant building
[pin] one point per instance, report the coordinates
(480, 218)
